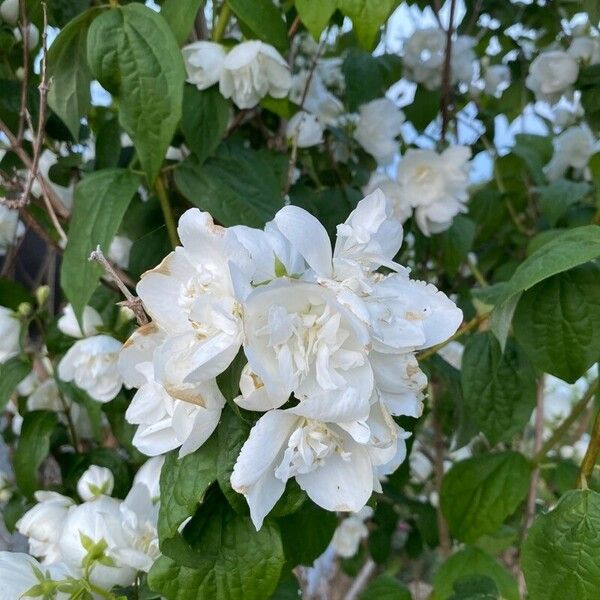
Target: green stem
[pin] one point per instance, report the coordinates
(222, 21)
(163, 198)
(591, 456)
(560, 431)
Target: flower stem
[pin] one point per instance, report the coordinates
(222, 21)
(161, 192)
(591, 456)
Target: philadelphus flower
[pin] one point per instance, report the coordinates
(435, 185)
(95, 481)
(92, 364)
(305, 129)
(9, 11)
(149, 475)
(497, 79)
(350, 532)
(551, 74)
(393, 192)
(10, 328)
(572, 148)
(251, 70)
(19, 573)
(586, 50)
(378, 126)
(33, 36)
(69, 325)
(119, 251)
(318, 100)
(203, 63)
(322, 327)
(11, 229)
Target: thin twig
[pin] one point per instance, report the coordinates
(361, 580)
(163, 198)
(294, 27)
(537, 446)
(446, 75)
(591, 455)
(221, 26)
(24, 25)
(131, 301)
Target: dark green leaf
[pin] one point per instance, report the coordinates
(180, 15)
(12, 372)
(479, 493)
(385, 587)
(475, 587)
(101, 200)
(424, 108)
(556, 198)
(264, 19)
(455, 243)
(13, 293)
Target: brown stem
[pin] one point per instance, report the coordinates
(25, 83)
(591, 456)
(446, 75)
(537, 446)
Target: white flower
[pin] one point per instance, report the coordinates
(65, 194)
(393, 192)
(378, 126)
(330, 70)
(203, 63)
(92, 364)
(95, 481)
(251, 70)
(11, 229)
(305, 129)
(119, 251)
(462, 62)
(69, 325)
(165, 422)
(149, 475)
(586, 50)
(497, 79)
(565, 116)
(551, 74)
(317, 99)
(18, 574)
(96, 523)
(350, 532)
(9, 11)
(33, 36)
(10, 329)
(435, 185)
(452, 353)
(43, 525)
(572, 148)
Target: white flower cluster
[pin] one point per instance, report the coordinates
(121, 535)
(433, 185)
(11, 229)
(246, 74)
(573, 148)
(424, 55)
(329, 340)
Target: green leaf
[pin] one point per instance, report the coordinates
(536, 151)
(306, 534)
(475, 587)
(12, 372)
(133, 54)
(32, 448)
(472, 561)
(101, 200)
(13, 293)
(479, 493)
(367, 18)
(424, 107)
(565, 251)
(316, 15)
(204, 120)
(560, 554)
(180, 15)
(386, 587)
(556, 198)
(264, 19)
(183, 483)
(558, 322)
(499, 388)
(235, 562)
(239, 186)
(455, 243)
(68, 70)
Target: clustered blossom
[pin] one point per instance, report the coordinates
(11, 229)
(121, 534)
(573, 148)
(329, 341)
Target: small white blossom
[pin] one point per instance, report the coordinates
(393, 192)
(18, 574)
(11, 228)
(149, 475)
(95, 481)
(33, 36)
(10, 329)
(435, 185)
(203, 63)
(251, 70)
(69, 325)
(497, 79)
(379, 124)
(92, 364)
(318, 100)
(9, 11)
(586, 50)
(551, 74)
(573, 148)
(119, 251)
(305, 129)
(350, 532)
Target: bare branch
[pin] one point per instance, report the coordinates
(446, 75)
(24, 26)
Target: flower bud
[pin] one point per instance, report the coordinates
(96, 481)
(9, 11)
(42, 294)
(24, 309)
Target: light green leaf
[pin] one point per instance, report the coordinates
(558, 322)
(70, 76)
(101, 200)
(316, 15)
(183, 483)
(556, 198)
(32, 448)
(204, 120)
(133, 53)
(386, 587)
(12, 372)
(471, 561)
(238, 186)
(180, 15)
(499, 388)
(367, 18)
(479, 493)
(560, 555)
(264, 19)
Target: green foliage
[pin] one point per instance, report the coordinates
(12, 372)
(263, 19)
(133, 53)
(315, 15)
(556, 198)
(560, 554)
(479, 493)
(385, 587)
(180, 15)
(101, 200)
